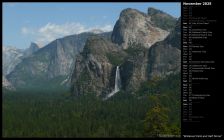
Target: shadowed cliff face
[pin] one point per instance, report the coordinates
(165, 56)
(161, 19)
(133, 70)
(94, 67)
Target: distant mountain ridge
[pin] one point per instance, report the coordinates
(12, 56)
(53, 61)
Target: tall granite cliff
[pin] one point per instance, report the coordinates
(95, 67)
(165, 56)
(135, 26)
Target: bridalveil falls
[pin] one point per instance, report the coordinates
(117, 84)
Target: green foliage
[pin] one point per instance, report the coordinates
(84, 81)
(47, 113)
(84, 77)
(156, 122)
(134, 49)
(59, 115)
(39, 84)
(115, 58)
(150, 87)
(163, 117)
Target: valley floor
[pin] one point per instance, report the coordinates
(60, 115)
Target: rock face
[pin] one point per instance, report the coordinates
(175, 36)
(52, 63)
(161, 19)
(135, 26)
(95, 67)
(94, 70)
(134, 68)
(6, 84)
(165, 56)
(11, 57)
(33, 48)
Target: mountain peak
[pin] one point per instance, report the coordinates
(129, 12)
(32, 48)
(135, 26)
(34, 45)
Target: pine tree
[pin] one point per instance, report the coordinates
(156, 121)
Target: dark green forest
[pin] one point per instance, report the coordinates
(154, 111)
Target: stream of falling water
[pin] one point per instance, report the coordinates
(117, 84)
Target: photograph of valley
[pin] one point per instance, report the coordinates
(91, 70)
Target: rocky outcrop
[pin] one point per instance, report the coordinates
(135, 26)
(13, 56)
(134, 69)
(10, 57)
(165, 56)
(33, 48)
(6, 84)
(94, 69)
(161, 19)
(175, 36)
(162, 59)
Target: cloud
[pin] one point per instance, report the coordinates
(107, 28)
(28, 31)
(25, 30)
(52, 31)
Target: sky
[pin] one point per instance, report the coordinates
(42, 23)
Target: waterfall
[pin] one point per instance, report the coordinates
(117, 83)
